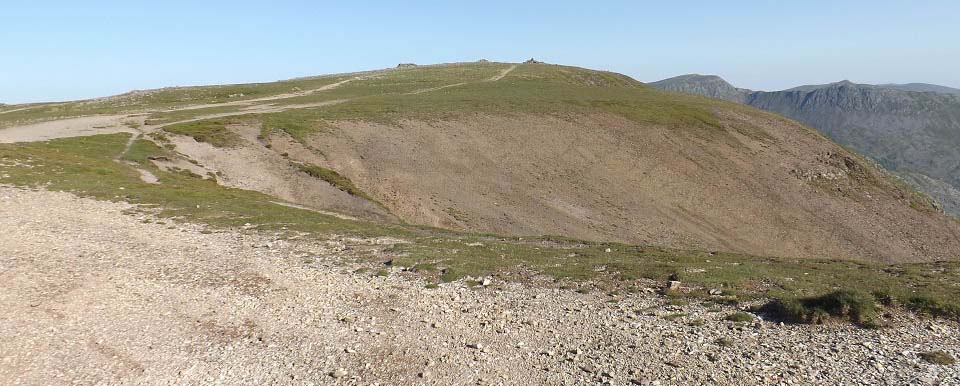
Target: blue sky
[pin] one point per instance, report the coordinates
(59, 50)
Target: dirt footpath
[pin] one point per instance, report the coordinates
(89, 295)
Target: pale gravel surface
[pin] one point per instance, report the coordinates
(94, 296)
(73, 127)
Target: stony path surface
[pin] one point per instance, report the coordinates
(90, 295)
(252, 109)
(503, 73)
(72, 127)
(254, 103)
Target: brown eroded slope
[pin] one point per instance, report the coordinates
(789, 193)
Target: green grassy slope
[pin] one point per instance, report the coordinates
(540, 89)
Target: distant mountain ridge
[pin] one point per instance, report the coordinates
(911, 129)
(707, 85)
(922, 87)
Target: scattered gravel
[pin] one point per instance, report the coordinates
(91, 295)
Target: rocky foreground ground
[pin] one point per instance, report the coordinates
(91, 295)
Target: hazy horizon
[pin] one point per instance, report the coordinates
(66, 51)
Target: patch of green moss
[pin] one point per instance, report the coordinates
(213, 131)
(333, 178)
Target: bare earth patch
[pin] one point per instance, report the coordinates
(601, 177)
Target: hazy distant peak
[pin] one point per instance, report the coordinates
(921, 87)
(706, 85)
(812, 87)
(908, 87)
(694, 78)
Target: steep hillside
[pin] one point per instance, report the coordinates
(911, 133)
(541, 149)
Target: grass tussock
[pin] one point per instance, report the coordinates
(724, 342)
(740, 317)
(142, 151)
(938, 358)
(933, 306)
(855, 306)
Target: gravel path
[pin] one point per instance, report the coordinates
(91, 295)
(72, 127)
(503, 73)
(109, 124)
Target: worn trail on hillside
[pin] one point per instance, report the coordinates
(503, 73)
(253, 109)
(14, 110)
(254, 102)
(91, 125)
(109, 124)
(145, 175)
